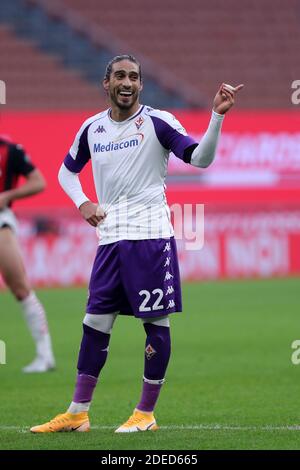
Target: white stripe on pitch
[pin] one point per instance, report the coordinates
(189, 427)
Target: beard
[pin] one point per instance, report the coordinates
(123, 105)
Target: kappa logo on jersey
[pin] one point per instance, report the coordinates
(100, 129)
(150, 351)
(139, 122)
(121, 144)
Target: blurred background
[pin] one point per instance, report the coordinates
(231, 376)
(53, 57)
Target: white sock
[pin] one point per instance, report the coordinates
(79, 407)
(36, 320)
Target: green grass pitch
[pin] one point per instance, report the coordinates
(230, 383)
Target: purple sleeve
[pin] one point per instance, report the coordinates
(80, 151)
(181, 145)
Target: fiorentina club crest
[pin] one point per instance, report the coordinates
(138, 122)
(149, 351)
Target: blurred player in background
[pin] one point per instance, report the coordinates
(14, 163)
(136, 268)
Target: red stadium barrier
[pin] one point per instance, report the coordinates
(252, 227)
(238, 243)
(258, 151)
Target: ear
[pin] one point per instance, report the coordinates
(105, 84)
(141, 86)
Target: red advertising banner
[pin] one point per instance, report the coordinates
(251, 195)
(257, 150)
(59, 250)
(245, 245)
(260, 150)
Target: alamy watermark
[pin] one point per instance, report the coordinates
(295, 96)
(126, 220)
(188, 223)
(295, 358)
(2, 92)
(2, 352)
(2, 343)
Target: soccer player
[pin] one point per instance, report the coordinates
(136, 268)
(13, 163)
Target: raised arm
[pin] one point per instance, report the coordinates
(204, 154)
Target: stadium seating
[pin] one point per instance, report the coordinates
(253, 42)
(187, 46)
(40, 81)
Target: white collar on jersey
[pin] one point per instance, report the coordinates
(126, 120)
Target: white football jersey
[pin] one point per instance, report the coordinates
(129, 161)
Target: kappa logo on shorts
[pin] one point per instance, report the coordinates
(171, 304)
(170, 290)
(167, 247)
(168, 276)
(150, 351)
(168, 261)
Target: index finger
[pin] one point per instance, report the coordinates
(239, 87)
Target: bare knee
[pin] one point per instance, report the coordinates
(20, 290)
(11, 265)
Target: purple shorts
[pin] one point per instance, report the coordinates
(136, 277)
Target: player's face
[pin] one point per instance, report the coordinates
(124, 85)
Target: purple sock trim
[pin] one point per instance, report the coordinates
(84, 388)
(149, 397)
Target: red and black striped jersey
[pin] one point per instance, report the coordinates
(13, 163)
